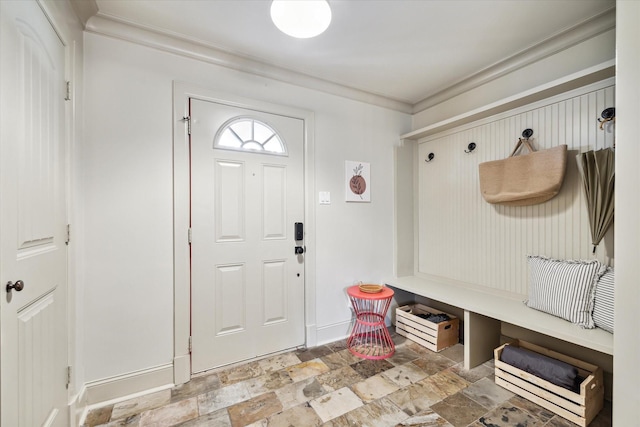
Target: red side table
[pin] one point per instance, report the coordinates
(370, 338)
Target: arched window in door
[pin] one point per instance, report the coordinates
(249, 134)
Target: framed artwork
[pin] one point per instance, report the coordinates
(358, 184)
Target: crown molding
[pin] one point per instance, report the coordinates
(552, 45)
(99, 23)
(171, 43)
(84, 9)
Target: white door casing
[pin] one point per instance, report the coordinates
(247, 281)
(33, 355)
(182, 93)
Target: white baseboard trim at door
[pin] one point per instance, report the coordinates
(77, 407)
(181, 369)
(333, 332)
(117, 387)
(311, 339)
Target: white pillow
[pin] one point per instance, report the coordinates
(603, 304)
(563, 288)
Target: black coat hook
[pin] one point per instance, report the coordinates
(470, 147)
(430, 157)
(608, 115)
(526, 134)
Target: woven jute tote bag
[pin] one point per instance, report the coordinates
(524, 180)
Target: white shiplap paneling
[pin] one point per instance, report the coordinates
(461, 237)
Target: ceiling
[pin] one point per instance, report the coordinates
(403, 50)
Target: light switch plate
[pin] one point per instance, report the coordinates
(324, 197)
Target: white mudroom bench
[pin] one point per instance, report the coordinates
(484, 312)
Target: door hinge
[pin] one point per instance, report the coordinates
(187, 119)
(189, 235)
(67, 96)
(190, 345)
(68, 376)
(68, 237)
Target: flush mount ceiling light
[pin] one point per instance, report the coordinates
(301, 18)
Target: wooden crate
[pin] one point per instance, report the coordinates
(580, 408)
(434, 336)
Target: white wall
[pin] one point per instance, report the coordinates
(626, 347)
(127, 185)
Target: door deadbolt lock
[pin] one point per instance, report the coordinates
(300, 250)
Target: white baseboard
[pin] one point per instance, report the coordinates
(78, 406)
(338, 331)
(118, 387)
(333, 332)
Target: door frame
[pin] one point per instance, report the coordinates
(181, 189)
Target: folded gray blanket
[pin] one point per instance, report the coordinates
(435, 318)
(555, 371)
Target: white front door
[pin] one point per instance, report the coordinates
(247, 192)
(33, 355)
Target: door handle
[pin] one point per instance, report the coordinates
(18, 286)
(300, 250)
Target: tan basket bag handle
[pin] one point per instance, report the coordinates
(519, 144)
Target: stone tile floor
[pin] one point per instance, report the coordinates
(328, 386)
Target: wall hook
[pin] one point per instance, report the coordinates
(608, 115)
(470, 147)
(526, 134)
(430, 157)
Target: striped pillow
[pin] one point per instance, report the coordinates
(563, 288)
(603, 305)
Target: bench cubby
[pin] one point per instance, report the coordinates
(579, 407)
